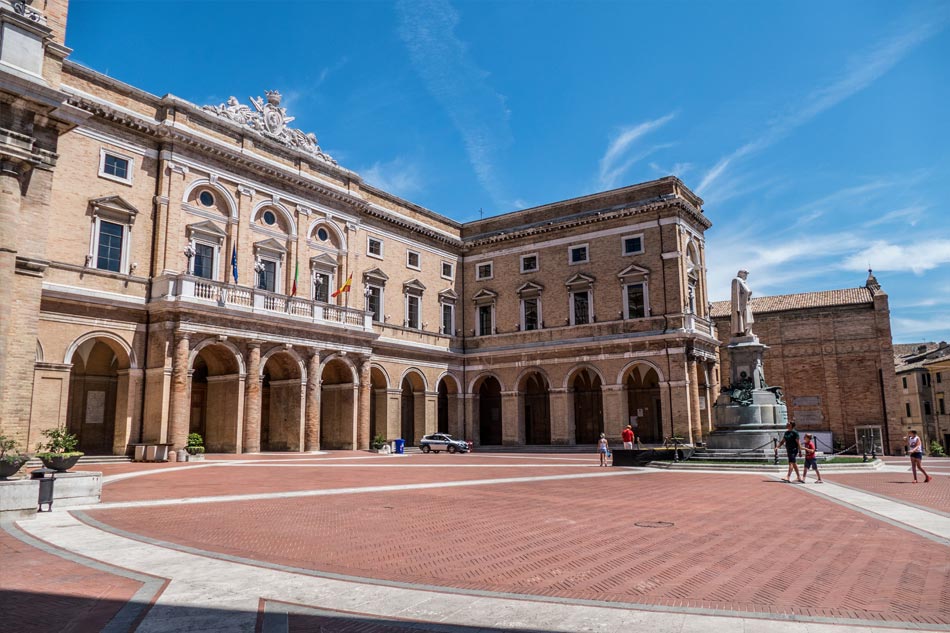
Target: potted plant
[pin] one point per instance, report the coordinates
(380, 445)
(195, 447)
(11, 459)
(58, 451)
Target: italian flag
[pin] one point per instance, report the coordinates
(293, 290)
(345, 287)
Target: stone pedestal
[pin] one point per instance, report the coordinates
(19, 497)
(748, 413)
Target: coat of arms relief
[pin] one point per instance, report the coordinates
(271, 120)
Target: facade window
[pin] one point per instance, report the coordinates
(904, 381)
(530, 313)
(270, 218)
(529, 263)
(635, 300)
(448, 270)
(412, 260)
(412, 311)
(941, 406)
(267, 275)
(484, 271)
(632, 244)
(448, 319)
(374, 302)
(486, 319)
(374, 247)
(580, 307)
(115, 167)
(206, 198)
(926, 379)
(322, 282)
(578, 254)
(203, 265)
(939, 380)
(907, 408)
(322, 234)
(927, 410)
(109, 251)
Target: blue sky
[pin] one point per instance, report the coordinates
(817, 133)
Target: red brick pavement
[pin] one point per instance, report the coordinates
(738, 543)
(229, 480)
(900, 486)
(43, 593)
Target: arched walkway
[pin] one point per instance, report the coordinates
(338, 399)
(587, 406)
(378, 409)
(644, 404)
(282, 404)
(449, 404)
(489, 418)
(216, 397)
(536, 408)
(99, 399)
(413, 410)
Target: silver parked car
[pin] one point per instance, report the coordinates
(443, 442)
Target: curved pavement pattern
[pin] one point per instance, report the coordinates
(476, 543)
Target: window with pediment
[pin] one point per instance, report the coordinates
(323, 275)
(374, 283)
(530, 298)
(205, 242)
(580, 290)
(634, 283)
(413, 291)
(269, 257)
(484, 301)
(110, 234)
(447, 301)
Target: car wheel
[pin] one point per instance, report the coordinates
(426, 449)
(452, 449)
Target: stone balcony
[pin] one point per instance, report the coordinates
(188, 289)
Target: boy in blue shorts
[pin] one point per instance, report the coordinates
(810, 460)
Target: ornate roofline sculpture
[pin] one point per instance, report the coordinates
(270, 120)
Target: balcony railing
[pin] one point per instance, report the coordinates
(204, 291)
(693, 323)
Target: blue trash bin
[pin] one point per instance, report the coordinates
(400, 446)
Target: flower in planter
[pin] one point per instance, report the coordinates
(59, 443)
(379, 441)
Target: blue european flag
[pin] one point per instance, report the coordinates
(234, 262)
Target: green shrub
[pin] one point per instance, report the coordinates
(9, 453)
(936, 449)
(379, 441)
(195, 444)
(59, 441)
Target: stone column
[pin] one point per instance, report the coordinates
(365, 393)
(393, 413)
(710, 397)
(311, 432)
(252, 400)
(561, 431)
(471, 418)
(512, 420)
(180, 393)
(696, 424)
(432, 412)
(666, 417)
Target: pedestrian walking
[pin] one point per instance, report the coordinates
(810, 460)
(603, 449)
(627, 437)
(792, 448)
(916, 449)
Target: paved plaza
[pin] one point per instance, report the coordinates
(483, 542)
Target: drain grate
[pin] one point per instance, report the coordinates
(654, 524)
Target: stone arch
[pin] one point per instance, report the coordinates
(283, 382)
(117, 343)
(488, 409)
(339, 382)
(417, 377)
(629, 367)
(100, 404)
(232, 205)
(585, 403)
(379, 403)
(263, 205)
(534, 395)
(338, 233)
(476, 381)
(301, 365)
(413, 406)
(581, 366)
(217, 394)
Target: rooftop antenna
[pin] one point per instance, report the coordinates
(481, 214)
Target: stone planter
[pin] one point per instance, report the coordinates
(196, 457)
(385, 449)
(8, 469)
(58, 462)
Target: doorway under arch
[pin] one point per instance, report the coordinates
(588, 406)
(644, 404)
(378, 404)
(536, 408)
(338, 400)
(95, 408)
(413, 409)
(489, 411)
(282, 404)
(449, 420)
(216, 398)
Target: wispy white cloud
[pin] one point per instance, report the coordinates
(461, 87)
(399, 176)
(934, 327)
(326, 71)
(907, 215)
(916, 257)
(618, 157)
(861, 72)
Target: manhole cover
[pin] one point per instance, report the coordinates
(653, 524)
